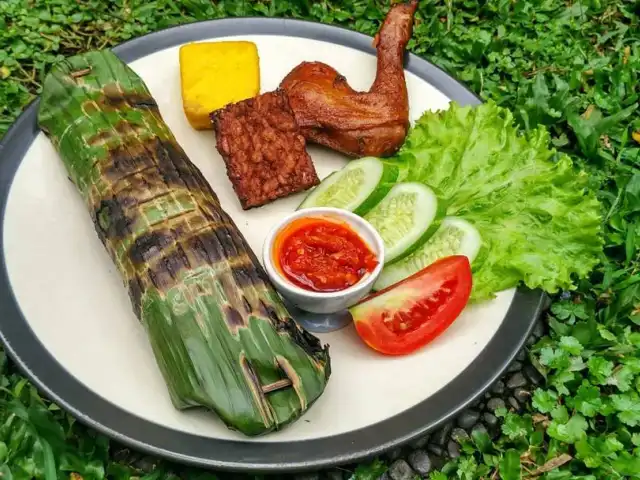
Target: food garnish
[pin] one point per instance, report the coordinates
(454, 236)
(408, 315)
(405, 218)
(322, 255)
(515, 206)
(264, 152)
(220, 334)
(358, 124)
(357, 187)
(538, 221)
(215, 74)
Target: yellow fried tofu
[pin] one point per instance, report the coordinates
(215, 74)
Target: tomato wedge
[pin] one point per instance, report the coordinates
(409, 314)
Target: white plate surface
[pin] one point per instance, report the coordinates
(73, 298)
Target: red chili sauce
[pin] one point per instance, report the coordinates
(322, 255)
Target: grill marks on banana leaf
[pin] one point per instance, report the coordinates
(113, 96)
(218, 329)
(156, 192)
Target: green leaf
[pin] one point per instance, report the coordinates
(555, 358)
(621, 378)
(558, 327)
(571, 345)
(369, 471)
(538, 220)
(627, 464)
(437, 476)
(516, 427)
(571, 431)
(49, 461)
(587, 400)
(606, 334)
(628, 407)
(467, 467)
(5, 472)
(481, 439)
(560, 379)
(544, 400)
(560, 414)
(588, 130)
(569, 311)
(510, 465)
(600, 369)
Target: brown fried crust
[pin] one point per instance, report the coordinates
(264, 152)
(358, 124)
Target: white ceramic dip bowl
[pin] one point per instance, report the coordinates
(324, 302)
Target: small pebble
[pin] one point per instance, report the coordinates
(522, 355)
(481, 406)
(533, 375)
(538, 329)
(394, 454)
(495, 403)
(522, 395)
(435, 449)
(531, 341)
(121, 455)
(459, 434)
(442, 435)
(513, 403)
(420, 462)
(487, 395)
(498, 387)
(468, 419)
(490, 419)
(420, 442)
(452, 449)
(400, 470)
(384, 476)
(146, 464)
(516, 380)
(515, 367)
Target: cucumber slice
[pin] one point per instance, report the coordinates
(455, 236)
(403, 217)
(358, 187)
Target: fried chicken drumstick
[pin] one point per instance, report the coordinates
(358, 124)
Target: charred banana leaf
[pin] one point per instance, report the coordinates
(221, 335)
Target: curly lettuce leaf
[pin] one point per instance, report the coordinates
(539, 223)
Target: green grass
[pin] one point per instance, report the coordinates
(571, 66)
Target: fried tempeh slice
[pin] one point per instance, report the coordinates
(263, 149)
(221, 335)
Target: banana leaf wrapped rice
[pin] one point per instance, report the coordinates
(221, 335)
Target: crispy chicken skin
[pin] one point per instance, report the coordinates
(358, 124)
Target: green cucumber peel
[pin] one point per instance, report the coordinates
(357, 187)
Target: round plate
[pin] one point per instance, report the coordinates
(67, 322)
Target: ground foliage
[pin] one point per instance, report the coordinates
(572, 66)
